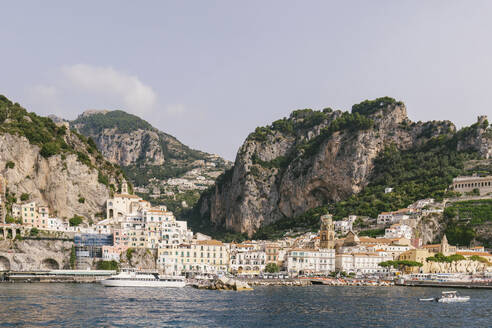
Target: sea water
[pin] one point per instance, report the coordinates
(92, 305)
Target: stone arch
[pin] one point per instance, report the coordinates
(50, 264)
(4, 263)
(83, 264)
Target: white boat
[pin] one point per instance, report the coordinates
(132, 278)
(452, 297)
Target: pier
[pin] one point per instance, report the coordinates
(445, 284)
(75, 276)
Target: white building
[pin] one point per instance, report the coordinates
(345, 225)
(398, 231)
(247, 262)
(124, 204)
(393, 250)
(421, 203)
(395, 216)
(57, 224)
(305, 261)
(361, 263)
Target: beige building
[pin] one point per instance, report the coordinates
(203, 256)
(32, 215)
(470, 183)
(443, 247)
(272, 251)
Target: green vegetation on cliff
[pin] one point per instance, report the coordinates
(52, 139)
(122, 121)
(369, 107)
(439, 257)
(423, 171)
(464, 217)
(350, 122)
(40, 131)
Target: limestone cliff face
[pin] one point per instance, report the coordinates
(51, 164)
(56, 182)
(283, 172)
(431, 228)
(143, 151)
(29, 255)
(465, 266)
(479, 137)
(129, 148)
(140, 258)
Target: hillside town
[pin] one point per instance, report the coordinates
(132, 223)
(202, 175)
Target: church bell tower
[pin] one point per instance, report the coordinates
(327, 232)
(124, 187)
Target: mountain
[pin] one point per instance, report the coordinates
(288, 173)
(49, 163)
(162, 168)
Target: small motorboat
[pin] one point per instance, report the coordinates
(432, 299)
(452, 297)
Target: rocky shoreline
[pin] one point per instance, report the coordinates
(222, 284)
(279, 282)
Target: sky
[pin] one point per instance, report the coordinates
(209, 72)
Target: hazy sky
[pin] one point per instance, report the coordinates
(209, 72)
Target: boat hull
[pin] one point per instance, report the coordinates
(454, 299)
(142, 283)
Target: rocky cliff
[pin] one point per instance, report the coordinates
(52, 165)
(314, 158)
(142, 150)
(28, 255)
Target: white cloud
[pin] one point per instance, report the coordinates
(133, 94)
(45, 98)
(175, 109)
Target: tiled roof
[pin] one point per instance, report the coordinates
(474, 253)
(211, 242)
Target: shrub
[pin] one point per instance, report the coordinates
(129, 253)
(82, 200)
(83, 158)
(101, 178)
(34, 232)
(399, 264)
(24, 197)
(107, 265)
(368, 107)
(73, 257)
(49, 149)
(76, 220)
(372, 233)
(439, 257)
(272, 268)
(9, 165)
(478, 258)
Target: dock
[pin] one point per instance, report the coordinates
(61, 276)
(445, 284)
